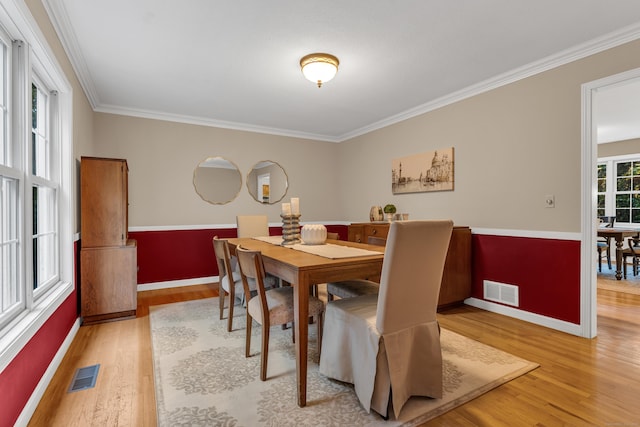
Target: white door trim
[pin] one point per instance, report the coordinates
(588, 280)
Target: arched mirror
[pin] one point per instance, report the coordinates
(217, 180)
(267, 182)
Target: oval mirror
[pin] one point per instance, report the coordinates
(267, 182)
(217, 180)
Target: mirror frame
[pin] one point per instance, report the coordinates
(274, 198)
(201, 191)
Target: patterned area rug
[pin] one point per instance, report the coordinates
(203, 379)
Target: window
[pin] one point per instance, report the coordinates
(602, 190)
(628, 192)
(36, 166)
(618, 189)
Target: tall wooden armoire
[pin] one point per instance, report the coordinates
(108, 258)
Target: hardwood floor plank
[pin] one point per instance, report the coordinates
(580, 382)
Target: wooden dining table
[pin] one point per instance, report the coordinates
(303, 270)
(618, 234)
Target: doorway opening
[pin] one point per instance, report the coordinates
(588, 275)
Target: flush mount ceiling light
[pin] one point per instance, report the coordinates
(319, 67)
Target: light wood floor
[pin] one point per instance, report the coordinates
(580, 382)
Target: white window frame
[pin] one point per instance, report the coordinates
(38, 57)
(610, 199)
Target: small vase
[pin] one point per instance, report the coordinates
(375, 214)
(314, 234)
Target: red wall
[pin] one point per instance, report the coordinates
(20, 378)
(547, 272)
(186, 254)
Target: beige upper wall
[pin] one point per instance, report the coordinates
(163, 155)
(619, 148)
(513, 146)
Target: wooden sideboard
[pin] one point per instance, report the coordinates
(456, 278)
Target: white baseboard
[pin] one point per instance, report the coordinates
(548, 322)
(177, 283)
(38, 392)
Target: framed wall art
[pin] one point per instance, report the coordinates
(418, 173)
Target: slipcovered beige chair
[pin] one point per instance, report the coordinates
(355, 287)
(270, 307)
(230, 282)
(391, 341)
(252, 225)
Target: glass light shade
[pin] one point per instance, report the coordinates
(319, 67)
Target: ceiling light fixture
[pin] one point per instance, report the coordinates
(319, 67)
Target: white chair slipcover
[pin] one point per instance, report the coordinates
(391, 341)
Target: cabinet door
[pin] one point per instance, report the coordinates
(356, 233)
(108, 280)
(103, 199)
(456, 278)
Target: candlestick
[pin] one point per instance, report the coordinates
(295, 206)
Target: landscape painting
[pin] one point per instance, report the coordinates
(431, 171)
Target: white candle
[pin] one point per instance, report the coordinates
(286, 209)
(295, 206)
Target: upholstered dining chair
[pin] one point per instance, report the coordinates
(270, 307)
(391, 341)
(355, 287)
(252, 225)
(230, 282)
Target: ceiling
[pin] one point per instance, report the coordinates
(235, 64)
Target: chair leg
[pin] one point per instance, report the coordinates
(232, 303)
(600, 260)
(221, 300)
(247, 347)
(329, 297)
(265, 352)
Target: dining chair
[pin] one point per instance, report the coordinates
(391, 341)
(230, 280)
(333, 236)
(355, 287)
(633, 251)
(252, 225)
(270, 307)
(603, 244)
(256, 226)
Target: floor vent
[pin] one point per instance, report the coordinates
(84, 378)
(501, 292)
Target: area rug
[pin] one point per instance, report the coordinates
(203, 379)
(607, 280)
